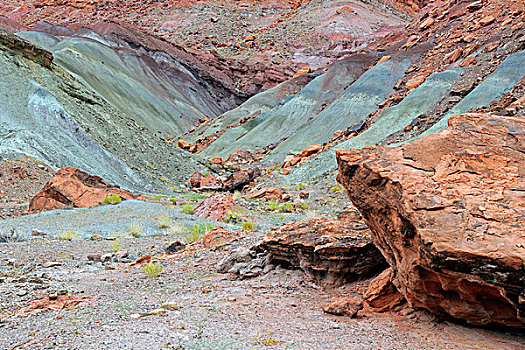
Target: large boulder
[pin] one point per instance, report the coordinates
(239, 179)
(447, 212)
(215, 207)
(333, 251)
(74, 188)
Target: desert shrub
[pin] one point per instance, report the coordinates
(176, 230)
(115, 247)
(273, 205)
(248, 226)
(303, 206)
(68, 235)
(336, 189)
(232, 217)
(135, 229)
(163, 222)
(152, 270)
(287, 207)
(188, 209)
(197, 231)
(112, 199)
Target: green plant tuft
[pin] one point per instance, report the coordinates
(303, 206)
(188, 209)
(273, 205)
(197, 231)
(116, 246)
(287, 207)
(336, 189)
(163, 221)
(248, 226)
(135, 229)
(232, 217)
(152, 270)
(112, 199)
(68, 235)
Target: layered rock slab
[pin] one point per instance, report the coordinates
(333, 251)
(75, 188)
(447, 212)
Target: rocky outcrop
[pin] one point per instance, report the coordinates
(215, 207)
(447, 213)
(19, 46)
(333, 251)
(71, 187)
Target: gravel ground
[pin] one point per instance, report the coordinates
(280, 310)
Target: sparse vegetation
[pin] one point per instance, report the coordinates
(300, 186)
(68, 235)
(188, 209)
(152, 270)
(265, 339)
(116, 246)
(176, 230)
(112, 199)
(163, 222)
(287, 207)
(233, 217)
(336, 189)
(197, 231)
(248, 226)
(135, 229)
(173, 201)
(164, 178)
(273, 205)
(303, 206)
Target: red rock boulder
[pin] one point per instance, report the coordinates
(74, 188)
(215, 207)
(447, 212)
(239, 179)
(332, 251)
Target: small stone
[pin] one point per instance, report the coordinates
(94, 257)
(175, 247)
(21, 292)
(121, 254)
(36, 232)
(231, 298)
(304, 194)
(170, 305)
(50, 264)
(106, 257)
